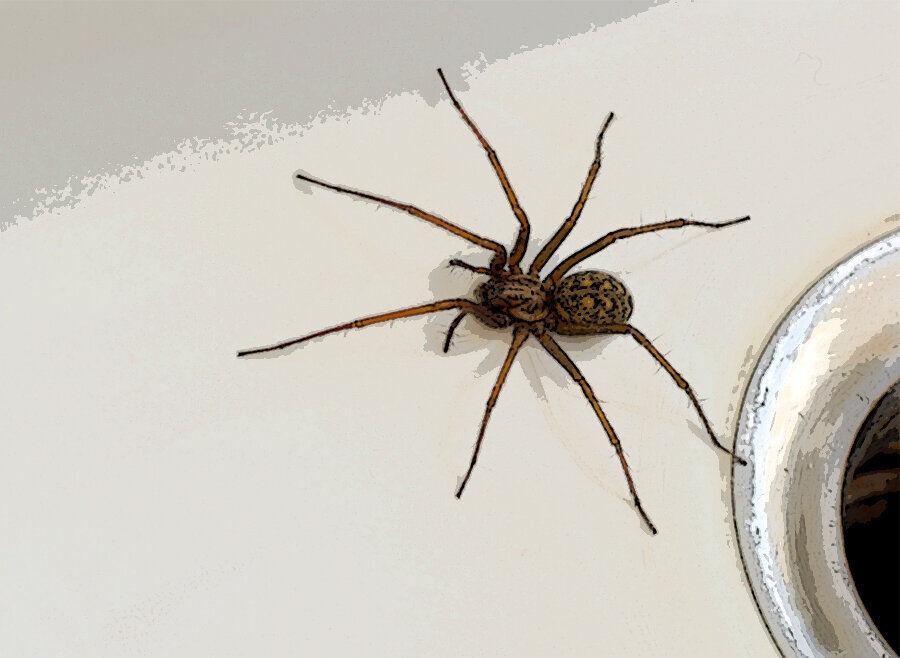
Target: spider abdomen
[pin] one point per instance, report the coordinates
(585, 301)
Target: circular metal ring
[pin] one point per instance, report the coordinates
(833, 356)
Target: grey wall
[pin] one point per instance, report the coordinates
(111, 101)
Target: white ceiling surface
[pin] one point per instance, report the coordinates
(161, 497)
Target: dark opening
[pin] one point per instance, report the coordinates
(871, 515)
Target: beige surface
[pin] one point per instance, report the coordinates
(161, 497)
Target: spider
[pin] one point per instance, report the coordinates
(588, 302)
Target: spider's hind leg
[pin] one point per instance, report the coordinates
(556, 351)
(680, 381)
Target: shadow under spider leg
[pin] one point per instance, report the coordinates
(556, 351)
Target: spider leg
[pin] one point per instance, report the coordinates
(499, 249)
(521, 244)
(519, 336)
(563, 359)
(563, 231)
(451, 329)
(472, 268)
(560, 270)
(679, 380)
(365, 322)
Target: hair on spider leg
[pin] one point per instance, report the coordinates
(521, 301)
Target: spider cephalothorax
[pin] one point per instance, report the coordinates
(507, 299)
(583, 303)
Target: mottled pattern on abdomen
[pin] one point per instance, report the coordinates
(584, 301)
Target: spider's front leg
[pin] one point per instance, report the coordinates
(499, 258)
(521, 244)
(433, 307)
(455, 262)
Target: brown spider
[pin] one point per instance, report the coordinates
(584, 303)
